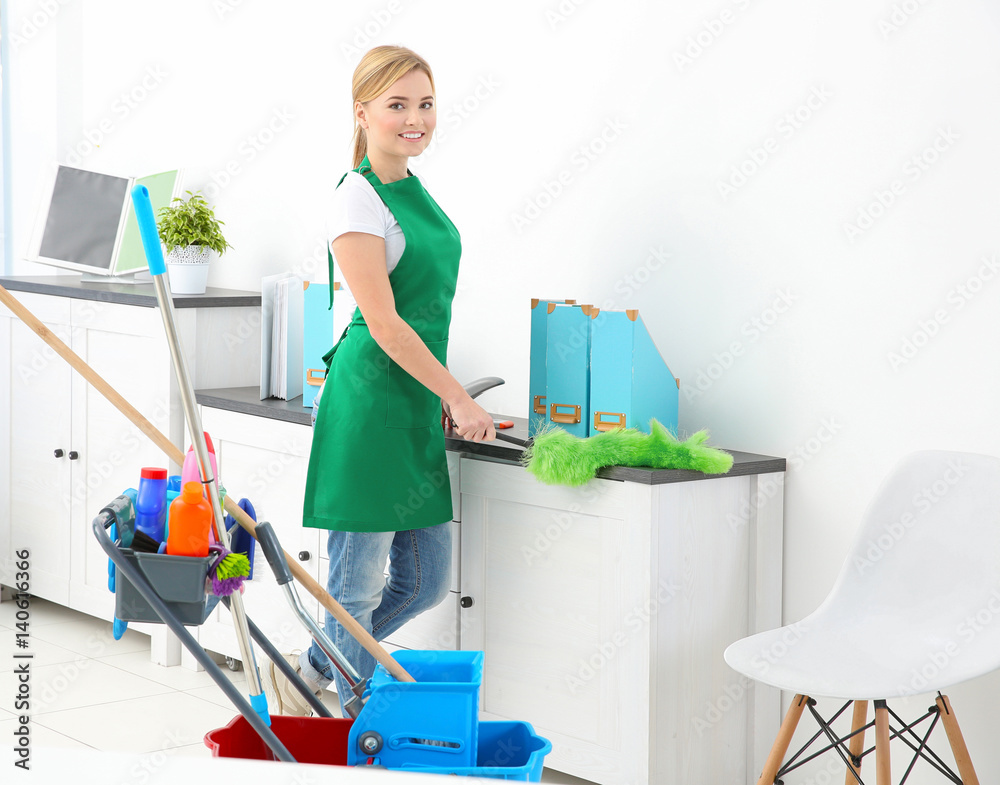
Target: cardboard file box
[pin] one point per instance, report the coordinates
(317, 338)
(630, 383)
(537, 394)
(593, 370)
(567, 371)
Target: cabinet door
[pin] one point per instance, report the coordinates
(265, 461)
(40, 506)
(438, 628)
(125, 346)
(559, 580)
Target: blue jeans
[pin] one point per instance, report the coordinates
(419, 572)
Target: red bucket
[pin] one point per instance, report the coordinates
(308, 739)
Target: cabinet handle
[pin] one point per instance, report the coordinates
(73, 455)
(58, 453)
(467, 602)
(304, 555)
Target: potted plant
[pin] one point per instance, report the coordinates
(189, 231)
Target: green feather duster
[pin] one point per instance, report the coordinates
(556, 456)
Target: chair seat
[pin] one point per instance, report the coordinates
(872, 656)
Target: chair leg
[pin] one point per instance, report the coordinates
(883, 769)
(962, 759)
(782, 740)
(857, 745)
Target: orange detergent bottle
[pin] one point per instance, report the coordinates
(190, 521)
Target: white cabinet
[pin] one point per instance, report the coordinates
(67, 451)
(604, 611)
(71, 451)
(38, 469)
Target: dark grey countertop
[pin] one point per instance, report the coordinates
(140, 294)
(246, 400)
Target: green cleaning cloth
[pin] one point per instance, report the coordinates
(557, 457)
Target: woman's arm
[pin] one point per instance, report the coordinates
(361, 258)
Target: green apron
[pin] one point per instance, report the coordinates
(378, 458)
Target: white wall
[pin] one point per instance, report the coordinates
(781, 322)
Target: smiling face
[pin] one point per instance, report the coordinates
(399, 122)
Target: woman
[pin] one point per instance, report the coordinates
(378, 476)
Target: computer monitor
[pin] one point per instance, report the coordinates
(85, 222)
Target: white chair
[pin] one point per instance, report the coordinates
(916, 608)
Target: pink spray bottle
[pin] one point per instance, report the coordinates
(190, 472)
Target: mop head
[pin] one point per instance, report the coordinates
(229, 573)
(557, 457)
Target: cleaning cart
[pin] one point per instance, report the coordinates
(429, 725)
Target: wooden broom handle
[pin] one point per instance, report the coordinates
(174, 454)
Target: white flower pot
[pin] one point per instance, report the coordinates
(188, 269)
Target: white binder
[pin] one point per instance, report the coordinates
(282, 314)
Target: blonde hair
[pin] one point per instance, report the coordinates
(377, 72)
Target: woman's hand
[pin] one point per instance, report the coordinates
(472, 421)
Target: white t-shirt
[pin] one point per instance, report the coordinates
(357, 208)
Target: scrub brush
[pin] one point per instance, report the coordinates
(556, 456)
(228, 571)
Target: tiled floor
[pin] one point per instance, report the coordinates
(91, 691)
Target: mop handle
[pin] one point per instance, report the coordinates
(154, 255)
(174, 454)
(147, 230)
